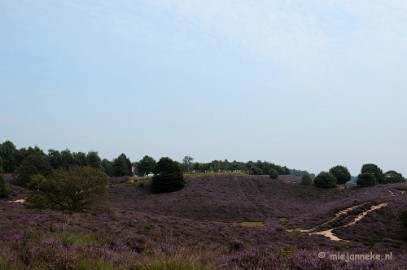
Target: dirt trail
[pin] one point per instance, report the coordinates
(330, 234)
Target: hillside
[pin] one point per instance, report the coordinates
(250, 221)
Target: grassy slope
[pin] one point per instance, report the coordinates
(206, 215)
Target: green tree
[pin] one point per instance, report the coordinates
(341, 174)
(366, 179)
(93, 159)
(146, 165)
(168, 176)
(72, 189)
(187, 163)
(122, 166)
(273, 174)
(8, 155)
(4, 190)
(55, 159)
(79, 159)
(393, 177)
(107, 167)
(306, 179)
(325, 180)
(375, 171)
(67, 159)
(32, 165)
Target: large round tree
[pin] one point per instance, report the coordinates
(325, 180)
(341, 174)
(168, 176)
(375, 171)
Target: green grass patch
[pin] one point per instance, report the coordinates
(282, 219)
(179, 261)
(72, 238)
(252, 224)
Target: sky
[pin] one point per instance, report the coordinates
(304, 84)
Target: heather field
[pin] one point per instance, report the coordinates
(218, 221)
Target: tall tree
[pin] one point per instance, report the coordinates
(146, 165)
(32, 165)
(93, 159)
(187, 163)
(122, 166)
(8, 155)
(55, 159)
(79, 159)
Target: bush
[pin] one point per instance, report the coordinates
(325, 180)
(71, 189)
(4, 191)
(366, 180)
(393, 177)
(167, 176)
(375, 171)
(341, 174)
(273, 174)
(306, 179)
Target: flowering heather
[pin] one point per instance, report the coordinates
(213, 223)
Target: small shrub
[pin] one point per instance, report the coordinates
(306, 179)
(280, 229)
(273, 174)
(235, 245)
(37, 200)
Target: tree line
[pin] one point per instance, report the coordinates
(26, 162)
(370, 175)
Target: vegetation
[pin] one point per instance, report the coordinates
(306, 179)
(167, 176)
(375, 171)
(273, 174)
(122, 166)
(4, 190)
(35, 163)
(341, 174)
(71, 189)
(393, 177)
(146, 165)
(325, 180)
(366, 179)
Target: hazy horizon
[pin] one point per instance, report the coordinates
(307, 85)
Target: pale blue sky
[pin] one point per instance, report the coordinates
(306, 84)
